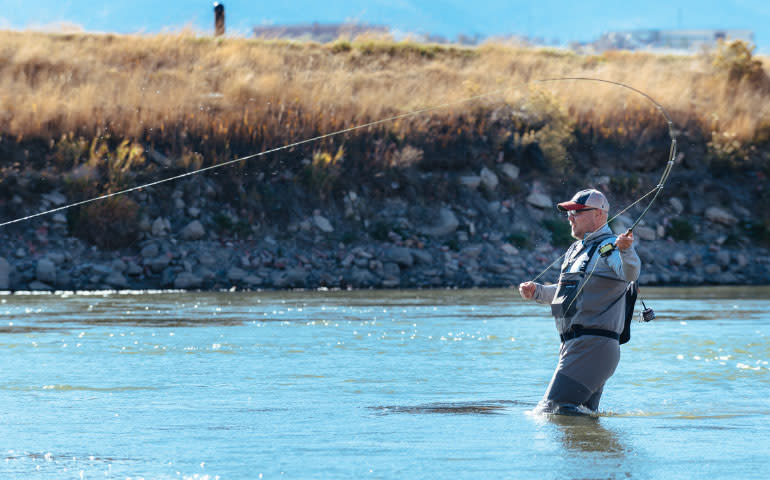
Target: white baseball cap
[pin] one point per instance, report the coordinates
(583, 199)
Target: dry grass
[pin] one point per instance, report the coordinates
(222, 96)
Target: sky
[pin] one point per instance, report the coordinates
(557, 22)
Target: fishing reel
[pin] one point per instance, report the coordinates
(648, 314)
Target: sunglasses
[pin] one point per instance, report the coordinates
(574, 213)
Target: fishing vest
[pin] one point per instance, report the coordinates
(568, 298)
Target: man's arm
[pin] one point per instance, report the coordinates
(625, 262)
(537, 292)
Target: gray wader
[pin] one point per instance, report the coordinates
(587, 356)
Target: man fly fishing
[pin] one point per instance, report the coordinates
(588, 303)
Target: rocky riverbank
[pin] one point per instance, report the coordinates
(489, 228)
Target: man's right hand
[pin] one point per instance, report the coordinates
(527, 289)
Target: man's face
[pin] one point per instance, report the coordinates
(583, 221)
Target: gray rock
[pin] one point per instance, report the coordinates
(133, 269)
(187, 280)
(160, 227)
(473, 251)
(727, 278)
(55, 198)
(193, 212)
(399, 255)
(421, 256)
(5, 274)
(645, 233)
(293, 278)
(193, 231)
(648, 279)
(253, 280)
(509, 249)
(116, 280)
(38, 285)
(489, 179)
(362, 278)
(470, 181)
(59, 218)
(712, 269)
(679, 258)
(677, 205)
(540, 200)
(510, 170)
(57, 258)
(322, 224)
(150, 250)
(621, 223)
(720, 215)
(159, 263)
(118, 265)
(46, 271)
(391, 270)
(447, 224)
(297, 277)
(236, 274)
(498, 268)
(723, 258)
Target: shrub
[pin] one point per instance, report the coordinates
(519, 239)
(758, 231)
(736, 58)
(561, 232)
(111, 223)
(681, 230)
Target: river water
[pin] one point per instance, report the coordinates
(372, 384)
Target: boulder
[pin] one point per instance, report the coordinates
(160, 227)
(187, 280)
(679, 258)
(38, 285)
(720, 216)
(470, 181)
(150, 250)
(159, 263)
(645, 233)
(322, 224)
(723, 258)
(400, 255)
(421, 256)
(489, 179)
(677, 205)
(447, 223)
(539, 200)
(510, 170)
(236, 274)
(193, 231)
(46, 271)
(116, 280)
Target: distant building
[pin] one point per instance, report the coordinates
(678, 40)
(317, 32)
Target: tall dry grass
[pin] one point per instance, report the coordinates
(235, 95)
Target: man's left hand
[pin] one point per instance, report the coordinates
(625, 240)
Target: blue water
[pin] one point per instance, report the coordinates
(371, 384)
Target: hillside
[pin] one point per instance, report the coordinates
(455, 196)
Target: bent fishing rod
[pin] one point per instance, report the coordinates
(607, 249)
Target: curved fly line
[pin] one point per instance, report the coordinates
(655, 191)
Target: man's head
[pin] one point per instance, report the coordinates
(586, 211)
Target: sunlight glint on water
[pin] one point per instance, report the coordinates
(419, 384)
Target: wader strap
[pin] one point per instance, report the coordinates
(578, 331)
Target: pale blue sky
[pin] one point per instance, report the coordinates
(551, 19)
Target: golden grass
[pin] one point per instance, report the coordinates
(195, 93)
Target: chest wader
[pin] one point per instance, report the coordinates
(568, 299)
(564, 304)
